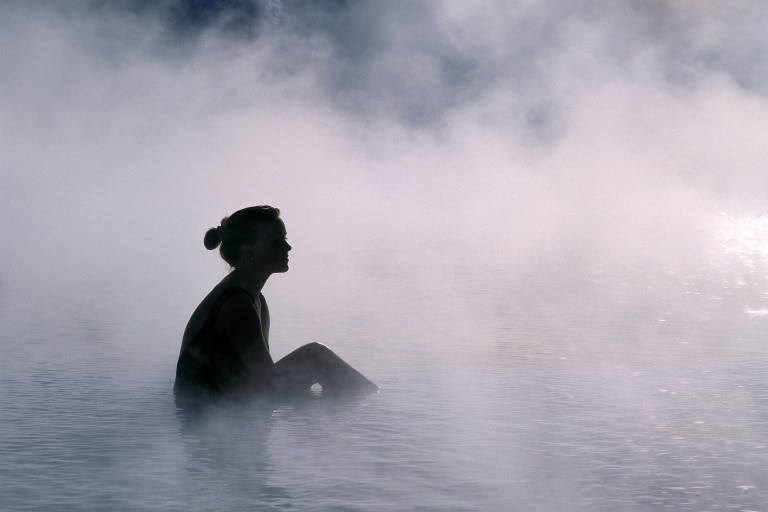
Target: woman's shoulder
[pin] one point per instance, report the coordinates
(231, 292)
(222, 292)
(222, 296)
(234, 303)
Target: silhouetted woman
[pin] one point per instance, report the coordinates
(225, 349)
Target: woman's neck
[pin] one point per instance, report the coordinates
(252, 282)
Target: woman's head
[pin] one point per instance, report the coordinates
(242, 229)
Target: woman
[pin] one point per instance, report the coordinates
(225, 349)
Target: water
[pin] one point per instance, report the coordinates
(501, 212)
(630, 391)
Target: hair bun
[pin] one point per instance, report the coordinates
(212, 239)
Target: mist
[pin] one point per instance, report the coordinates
(519, 140)
(539, 226)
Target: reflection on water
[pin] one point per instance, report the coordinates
(628, 392)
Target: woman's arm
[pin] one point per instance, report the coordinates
(239, 320)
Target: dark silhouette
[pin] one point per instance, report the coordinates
(225, 349)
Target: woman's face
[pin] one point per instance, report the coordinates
(269, 249)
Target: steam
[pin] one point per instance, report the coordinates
(393, 135)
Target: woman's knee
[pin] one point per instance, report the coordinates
(316, 348)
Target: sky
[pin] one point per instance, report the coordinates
(505, 136)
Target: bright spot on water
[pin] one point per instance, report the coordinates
(743, 259)
(745, 238)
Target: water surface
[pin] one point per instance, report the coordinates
(498, 393)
